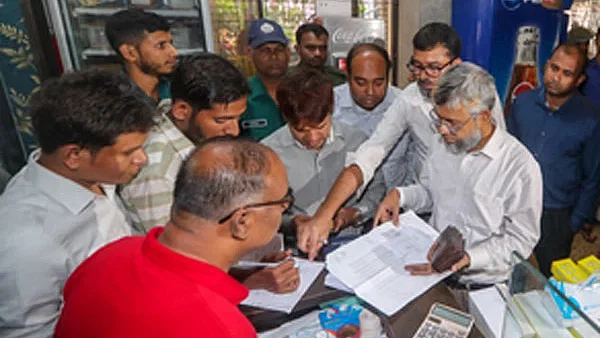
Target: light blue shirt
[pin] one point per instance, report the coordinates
(395, 168)
(48, 225)
(312, 173)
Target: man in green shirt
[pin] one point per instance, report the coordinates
(268, 50)
(311, 46)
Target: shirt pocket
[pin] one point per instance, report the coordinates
(481, 217)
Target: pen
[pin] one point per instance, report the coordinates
(250, 264)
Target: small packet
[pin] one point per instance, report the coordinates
(450, 249)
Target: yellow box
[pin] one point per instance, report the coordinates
(590, 264)
(565, 270)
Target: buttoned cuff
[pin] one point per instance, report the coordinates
(480, 258)
(408, 196)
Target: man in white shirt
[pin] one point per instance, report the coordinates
(478, 178)
(436, 47)
(62, 205)
(362, 102)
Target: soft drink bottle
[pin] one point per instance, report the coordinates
(524, 74)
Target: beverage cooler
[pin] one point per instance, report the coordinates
(512, 39)
(77, 37)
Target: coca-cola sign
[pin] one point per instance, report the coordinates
(350, 35)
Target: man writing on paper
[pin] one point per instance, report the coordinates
(478, 178)
(436, 47)
(228, 200)
(208, 96)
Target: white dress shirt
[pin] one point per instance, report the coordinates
(492, 196)
(395, 167)
(409, 113)
(48, 226)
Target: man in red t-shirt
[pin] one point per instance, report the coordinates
(228, 200)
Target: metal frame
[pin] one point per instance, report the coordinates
(204, 9)
(53, 11)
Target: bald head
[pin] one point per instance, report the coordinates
(222, 174)
(368, 52)
(368, 68)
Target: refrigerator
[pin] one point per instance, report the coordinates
(76, 37)
(511, 39)
(345, 32)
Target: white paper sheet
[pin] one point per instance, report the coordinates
(332, 282)
(373, 265)
(309, 271)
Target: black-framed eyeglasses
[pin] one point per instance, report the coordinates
(433, 71)
(287, 200)
(438, 122)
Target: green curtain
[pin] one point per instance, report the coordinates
(17, 67)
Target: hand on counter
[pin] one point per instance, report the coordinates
(283, 278)
(388, 209)
(312, 233)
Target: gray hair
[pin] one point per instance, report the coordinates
(212, 186)
(466, 85)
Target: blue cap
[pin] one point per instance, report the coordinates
(263, 31)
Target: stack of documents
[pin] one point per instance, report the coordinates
(309, 271)
(373, 265)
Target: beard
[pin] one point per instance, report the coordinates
(466, 144)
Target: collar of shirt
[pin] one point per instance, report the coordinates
(258, 89)
(573, 100)
(164, 88)
(346, 100)
(63, 190)
(413, 95)
(199, 272)
(493, 147)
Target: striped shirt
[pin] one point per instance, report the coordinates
(149, 196)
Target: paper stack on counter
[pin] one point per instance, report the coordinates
(309, 271)
(373, 265)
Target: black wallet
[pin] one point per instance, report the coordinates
(450, 249)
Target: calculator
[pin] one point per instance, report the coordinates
(445, 322)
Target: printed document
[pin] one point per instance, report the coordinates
(309, 271)
(373, 265)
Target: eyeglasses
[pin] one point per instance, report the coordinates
(433, 71)
(438, 122)
(287, 200)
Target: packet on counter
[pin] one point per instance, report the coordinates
(585, 295)
(342, 319)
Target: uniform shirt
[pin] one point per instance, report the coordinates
(262, 116)
(409, 113)
(312, 173)
(395, 167)
(48, 226)
(137, 287)
(335, 75)
(566, 143)
(592, 85)
(493, 196)
(149, 195)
